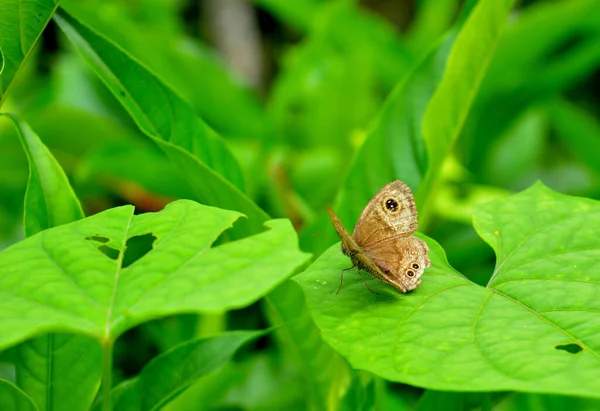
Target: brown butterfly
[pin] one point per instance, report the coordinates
(382, 243)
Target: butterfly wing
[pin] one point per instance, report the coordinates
(401, 261)
(390, 214)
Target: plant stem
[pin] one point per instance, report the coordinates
(107, 347)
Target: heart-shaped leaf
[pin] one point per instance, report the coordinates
(534, 328)
(104, 274)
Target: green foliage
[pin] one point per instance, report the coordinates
(170, 373)
(204, 161)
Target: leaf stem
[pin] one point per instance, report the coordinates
(107, 352)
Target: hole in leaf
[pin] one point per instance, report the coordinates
(98, 238)
(570, 348)
(137, 247)
(110, 252)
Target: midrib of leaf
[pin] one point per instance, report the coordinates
(108, 339)
(49, 371)
(546, 320)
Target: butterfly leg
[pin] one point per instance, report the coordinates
(365, 282)
(342, 276)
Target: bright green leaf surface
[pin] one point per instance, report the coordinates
(466, 66)
(200, 153)
(13, 399)
(535, 328)
(21, 24)
(167, 375)
(79, 283)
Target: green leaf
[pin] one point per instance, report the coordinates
(198, 151)
(50, 366)
(216, 95)
(87, 279)
(172, 372)
(13, 399)
(326, 375)
(49, 200)
(60, 371)
(466, 66)
(534, 328)
(22, 24)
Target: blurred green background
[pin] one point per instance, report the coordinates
(295, 88)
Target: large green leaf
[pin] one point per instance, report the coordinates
(13, 399)
(21, 25)
(534, 328)
(466, 66)
(87, 277)
(48, 367)
(169, 374)
(201, 154)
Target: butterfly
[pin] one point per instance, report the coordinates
(382, 243)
